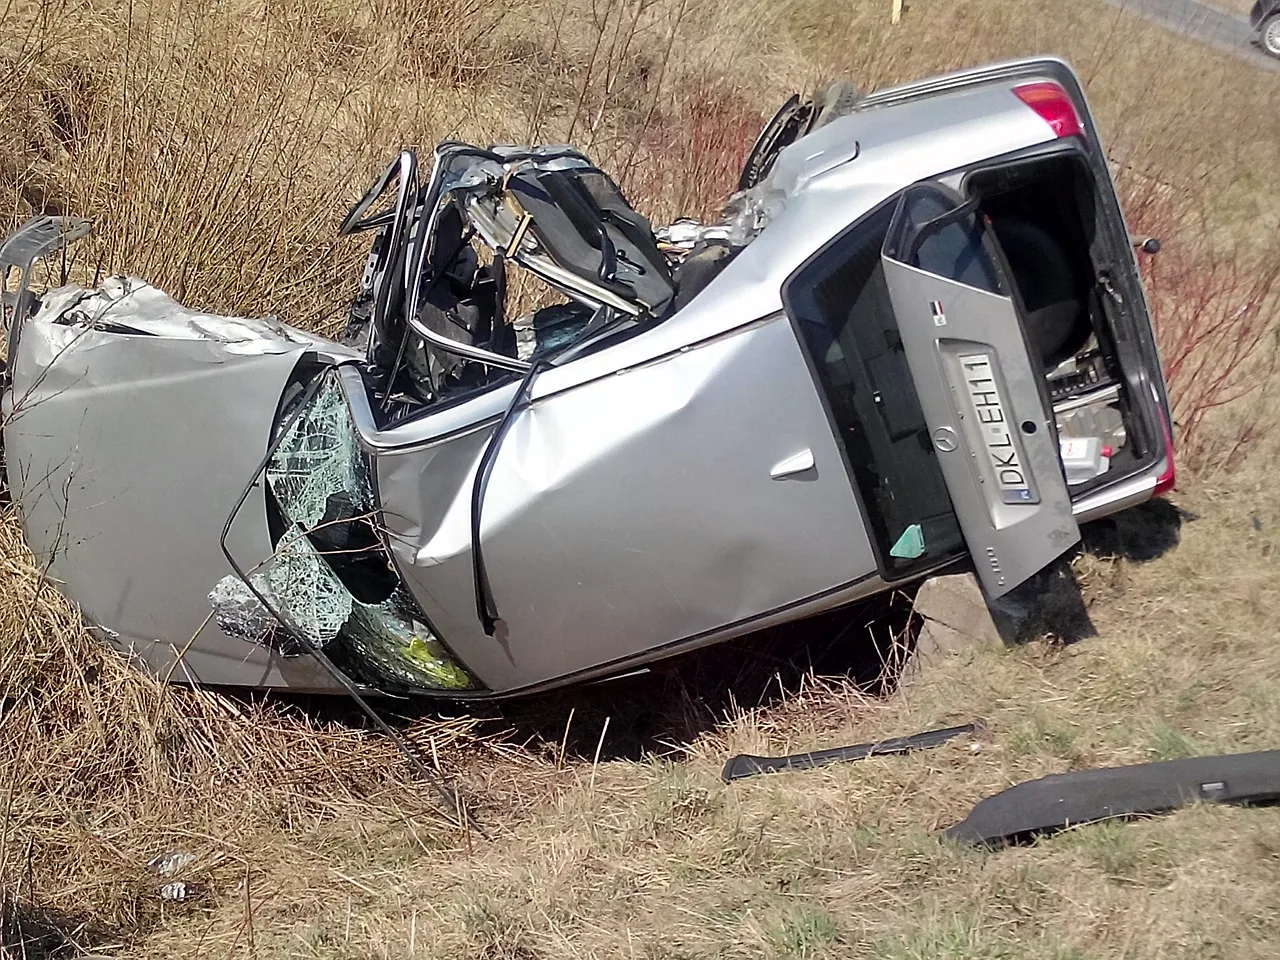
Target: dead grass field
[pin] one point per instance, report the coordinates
(218, 143)
(659, 859)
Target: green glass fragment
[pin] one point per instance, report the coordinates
(910, 545)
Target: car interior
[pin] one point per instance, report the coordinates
(575, 222)
(1043, 213)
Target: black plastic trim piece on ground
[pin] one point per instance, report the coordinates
(1067, 799)
(744, 765)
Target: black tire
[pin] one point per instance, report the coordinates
(792, 121)
(781, 131)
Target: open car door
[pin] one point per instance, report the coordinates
(981, 394)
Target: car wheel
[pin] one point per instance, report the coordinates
(787, 125)
(1270, 34)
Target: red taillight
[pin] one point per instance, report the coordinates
(1054, 106)
(1166, 480)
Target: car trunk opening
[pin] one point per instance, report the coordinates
(1060, 248)
(966, 345)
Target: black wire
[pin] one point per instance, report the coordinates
(929, 228)
(447, 796)
(486, 609)
(499, 295)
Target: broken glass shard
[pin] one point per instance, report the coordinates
(298, 584)
(238, 613)
(319, 457)
(910, 545)
(330, 578)
(402, 648)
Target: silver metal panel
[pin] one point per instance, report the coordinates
(1009, 541)
(633, 512)
(842, 596)
(126, 454)
(1117, 497)
(818, 192)
(1019, 70)
(912, 142)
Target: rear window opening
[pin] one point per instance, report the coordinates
(1044, 213)
(841, 307)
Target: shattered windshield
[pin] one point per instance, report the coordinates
(330, 578)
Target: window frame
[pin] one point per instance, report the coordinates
(892, 569)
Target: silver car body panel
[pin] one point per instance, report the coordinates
(166, 425)
(671, 490)
(633, 511)
(981, 349)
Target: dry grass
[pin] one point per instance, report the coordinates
(218, 143)
(106, 769)
(659, 859)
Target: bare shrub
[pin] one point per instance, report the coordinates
(215, 146)
(1214, 303)
(715, 127)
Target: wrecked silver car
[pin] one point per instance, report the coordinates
(916, 336)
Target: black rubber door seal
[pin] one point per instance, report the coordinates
(744, 765)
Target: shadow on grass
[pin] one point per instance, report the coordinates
(1140, 534)
(661, 710)
(668, 706)
(1052, 604)
(33, 932)
(680, 699)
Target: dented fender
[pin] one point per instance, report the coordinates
(131, 425)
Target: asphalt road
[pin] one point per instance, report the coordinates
(1226, 31)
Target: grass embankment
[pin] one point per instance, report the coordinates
(218, 143)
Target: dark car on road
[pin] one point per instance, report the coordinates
(1265, 20)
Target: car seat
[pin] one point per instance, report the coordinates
(1053, 292)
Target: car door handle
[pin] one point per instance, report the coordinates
(792, 465)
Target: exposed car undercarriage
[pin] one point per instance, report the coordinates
(440, 319)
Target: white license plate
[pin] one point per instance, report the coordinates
(997, 431)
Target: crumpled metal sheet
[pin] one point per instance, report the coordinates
(132, 306)
(131, 427)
